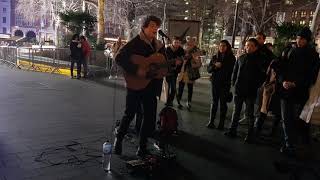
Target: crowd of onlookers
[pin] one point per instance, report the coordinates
(273, 84)
(259, 79)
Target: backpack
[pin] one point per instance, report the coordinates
(168, 121)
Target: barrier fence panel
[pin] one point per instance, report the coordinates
(205, 60)
(53, 59)
(8, 56)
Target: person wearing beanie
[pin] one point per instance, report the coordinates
(295, 76)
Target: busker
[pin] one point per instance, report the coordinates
(145, 44)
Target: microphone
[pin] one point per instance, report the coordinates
(161, 33)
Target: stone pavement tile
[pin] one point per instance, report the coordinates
(56, 171)
(30, 163)
(17, 173)
(9, 161)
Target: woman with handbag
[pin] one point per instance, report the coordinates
(221, 68)
(189, 71)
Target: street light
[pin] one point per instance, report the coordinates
(235, 23)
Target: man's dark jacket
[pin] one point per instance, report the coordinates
(247, 75)
(302, 68)
(179, 53)
(140, 46)
(266, 57)
(76, 52)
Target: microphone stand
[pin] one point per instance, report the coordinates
(165, 52)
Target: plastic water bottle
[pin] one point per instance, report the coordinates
(106, 156)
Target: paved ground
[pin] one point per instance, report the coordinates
(53, 127)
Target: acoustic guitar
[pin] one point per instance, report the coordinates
(155, 66)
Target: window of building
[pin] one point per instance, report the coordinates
(4, 30)
(303, 22)
(296, 14)
(4, 19)
(310, 22)
(4, 10)
(303, 13)
(19, 20)
(311, 13)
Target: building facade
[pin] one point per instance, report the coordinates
(299, 12)
(5, 16)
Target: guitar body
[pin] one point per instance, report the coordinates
(155, 65)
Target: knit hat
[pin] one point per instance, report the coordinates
(305, 33)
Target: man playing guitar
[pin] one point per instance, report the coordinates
(143, 82)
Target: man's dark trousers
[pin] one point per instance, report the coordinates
(219, 94)
(172, 81)
(290, 112)
(134, 99)
(249, 112)
(78, 61)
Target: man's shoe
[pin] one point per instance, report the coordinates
(243, 121)
(117, 146)
(189, 106)
(249, 140)
(211, 125)
(220, 128)
(221, 125)
(230, 134)
(142, 152)
(180, 106)
(289, 151)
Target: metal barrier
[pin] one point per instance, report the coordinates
(49, 59)
(8, 56)
(205, 60)
(53, 59)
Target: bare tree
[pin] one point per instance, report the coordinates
(128, 14)
(40, 10)
(257, 13)
(223, 15)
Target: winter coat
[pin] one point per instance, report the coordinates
(172, 55)
(76, 51)
(266, 57)
(192, 60)
(221, 77)
(86, 49)
(301, 67)
(248, 75)
(140, 45)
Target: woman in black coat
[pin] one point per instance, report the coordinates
(221, 68)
